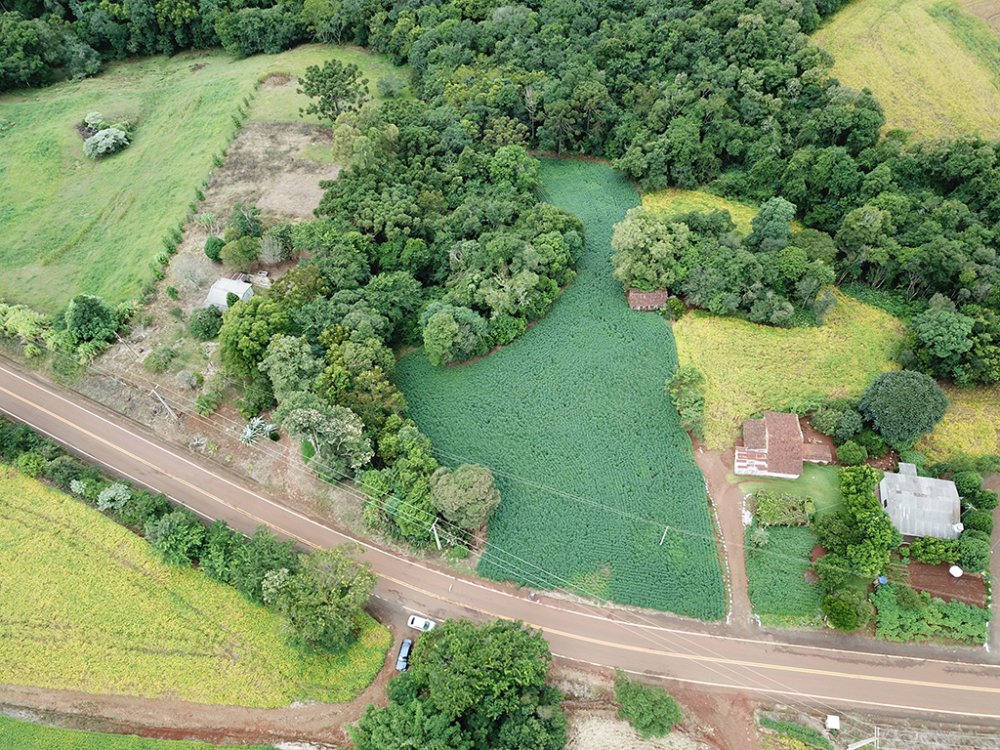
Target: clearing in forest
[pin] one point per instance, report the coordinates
(87, 605)
(25, 736)
(677, 201)
(587, 451)
(934, 68)
(72, 225)
(750, 367)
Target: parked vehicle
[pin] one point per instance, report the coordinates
(403, 660)
(420, 623)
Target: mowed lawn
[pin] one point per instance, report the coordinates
(589, 455)
(87, 605)
(970, 426)
(934, 68)
(21, 735)
(72, 225)
(750, 367)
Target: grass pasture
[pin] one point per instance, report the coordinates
(750, 367)
(72, 225)
(589, 456)
(970, 426)
(676, 200)
(779, 592)
(88, 606)
(934, 68)
(821, 483)
(22, 735)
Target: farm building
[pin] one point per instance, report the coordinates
(921, 506)
(774, 446)
(646, 301)
(222, 288)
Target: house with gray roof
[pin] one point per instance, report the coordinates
(221, 289)
(921, 506)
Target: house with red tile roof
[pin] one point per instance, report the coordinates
(646, 301)
(774, 446)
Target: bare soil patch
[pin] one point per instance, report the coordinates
(936, 580)
(988, 10)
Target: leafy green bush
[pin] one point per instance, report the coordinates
(968, 482)
(177, 536)
(105, 142)
(31, 464)
(846, 609)
(978, 520)
(781, 508)
(113, 497)
(849, 425)
(205, 323)
(160, 359)
(852, 454)
(687, 390)
(874, 443)
(241, 253)
(825, 419)
(244, 221)
(933, 551)
(90, 319)
(650, 710)
(213, 248)
(974, 550)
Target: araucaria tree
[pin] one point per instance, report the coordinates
(903, 405)
(335, 88)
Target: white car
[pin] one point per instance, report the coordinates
(420, 623)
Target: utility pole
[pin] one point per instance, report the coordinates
(865, 743)
(165, 405)
(437, 539)
(663, 538)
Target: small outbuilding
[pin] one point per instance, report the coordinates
(921, 506)
(647, 301)
(221, 289)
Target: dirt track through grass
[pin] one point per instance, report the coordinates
(588, 453)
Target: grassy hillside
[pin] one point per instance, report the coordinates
(591, 460)
(72, 225)
(934, 68)
(87, 605)
(21, 735)
(971, 425)
(750, 367)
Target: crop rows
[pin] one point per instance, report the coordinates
(589, 455)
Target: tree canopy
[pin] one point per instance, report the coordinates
(903, 405)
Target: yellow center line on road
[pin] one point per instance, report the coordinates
(440, 597)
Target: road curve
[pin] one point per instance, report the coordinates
(809, 675)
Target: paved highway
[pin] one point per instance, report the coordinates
(821, 677)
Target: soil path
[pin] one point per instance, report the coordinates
(992, 482)
(728, 500)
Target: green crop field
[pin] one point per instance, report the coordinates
(750, 367)
(675, 200)
(590, 457)
(72, 225)
(776, 572)
(20, 735)
(934, 68)
(87, 605)
(970, 426)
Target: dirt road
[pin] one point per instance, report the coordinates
(643, 643)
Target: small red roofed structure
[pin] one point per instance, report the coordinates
(646, 301)
(774, 446)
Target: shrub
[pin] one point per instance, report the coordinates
(172, 292)
(89, 318)
(105, 142)
(205, 323)
(159, 359)
(825, 420)
(846, 609)
(849, 425)
(177, 536)
(985, 500)
(389, 86)
(687, 390)
(978, 520)
(852, 454)
(873, 443)
(261, 554)
(241, 253)
(113, 497)
(651, 711)
(782, 508)
(31, 464)
(221, 545)
(143, 509)
(213, 248)
(974, 551)
(968, 483)
(65, 470)
(807, 736)
(244, 221)
(903, 405)
(934, 551)
(276, 244)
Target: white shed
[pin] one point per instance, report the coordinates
(222, 288)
